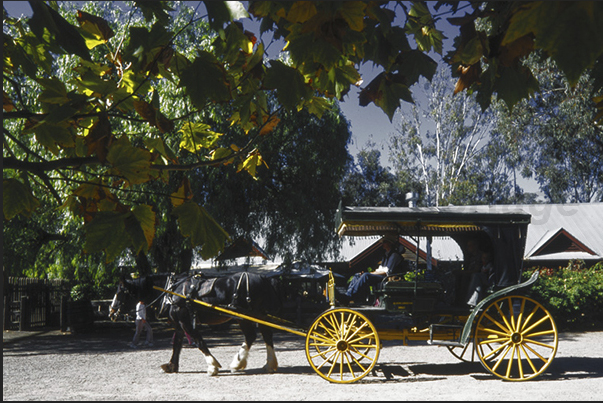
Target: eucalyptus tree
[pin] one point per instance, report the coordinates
(554, 137)
(439, 140)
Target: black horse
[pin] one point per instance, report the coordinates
(129, 292)
(249, 293)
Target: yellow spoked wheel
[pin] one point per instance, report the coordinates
(516, 338)
(342, 346)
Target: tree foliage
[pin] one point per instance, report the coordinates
(100, 107)
(368, 183)
(553, 137)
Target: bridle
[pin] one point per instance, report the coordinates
(115, 308)
(123, 292)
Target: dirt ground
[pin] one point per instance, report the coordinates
(99, 365)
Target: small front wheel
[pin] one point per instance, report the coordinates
(516, 338)
(342, 345)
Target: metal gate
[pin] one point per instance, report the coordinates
(31, 303)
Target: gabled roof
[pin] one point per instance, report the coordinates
(564, 231)
(560, 242)
(242, 247)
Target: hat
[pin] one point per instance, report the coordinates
(390, 239)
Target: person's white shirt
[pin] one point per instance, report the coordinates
(388, 264)
(141, 311)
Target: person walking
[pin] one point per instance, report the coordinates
(142, 324)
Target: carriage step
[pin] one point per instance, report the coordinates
(434, 326)
(445, 343)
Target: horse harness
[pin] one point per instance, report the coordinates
(236, 293)
(197, 287)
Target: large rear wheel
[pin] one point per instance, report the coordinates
(516, 338)
(342, 345)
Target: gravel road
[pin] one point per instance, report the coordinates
(99, 365)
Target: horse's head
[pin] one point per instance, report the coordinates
(119, 298)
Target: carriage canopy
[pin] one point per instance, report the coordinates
(501, 233)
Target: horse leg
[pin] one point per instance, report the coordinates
(271, 362)
(239, 361)
(172, 366)
(213, 365)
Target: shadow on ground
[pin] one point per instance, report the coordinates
(107, 337)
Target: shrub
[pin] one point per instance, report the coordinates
(81, 292)
(573, 295)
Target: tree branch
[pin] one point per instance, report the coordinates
(37, 167)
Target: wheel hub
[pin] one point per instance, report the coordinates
(342, 345)
(516, 338)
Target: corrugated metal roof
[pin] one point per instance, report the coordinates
(582, 220)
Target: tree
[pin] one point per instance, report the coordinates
(78, 86)
(554, 139)
(438, 143)
(367, 183)
(290, 205)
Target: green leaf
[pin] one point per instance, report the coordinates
(318, 106)
(52, 135)
(91, 84)
(196, 136)
(221, 12)
(17, 199)
(251, 163)
(156, 9)
(65, 34)
(196, 223)
(413, 64)
(569, 31)
(513, 85)
(392, 92)
(54, 91)
(95, 30)
(205, 80)
(289, 84)
(131, 162)
(159, 146)
(386, 91)
(107, 232)
(146, 217)
(353, 13)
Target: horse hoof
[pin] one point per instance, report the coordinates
(238, 366)
(212, 371)
(270, 369)
(169, 368)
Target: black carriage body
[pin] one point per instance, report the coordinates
(503, 233)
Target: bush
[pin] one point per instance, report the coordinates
(81, 292)
(573, 295)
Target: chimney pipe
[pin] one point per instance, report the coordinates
(411, 198)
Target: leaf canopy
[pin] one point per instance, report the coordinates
(101, 108)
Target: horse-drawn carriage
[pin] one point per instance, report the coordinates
(513, 336)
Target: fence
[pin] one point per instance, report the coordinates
(31, 303)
